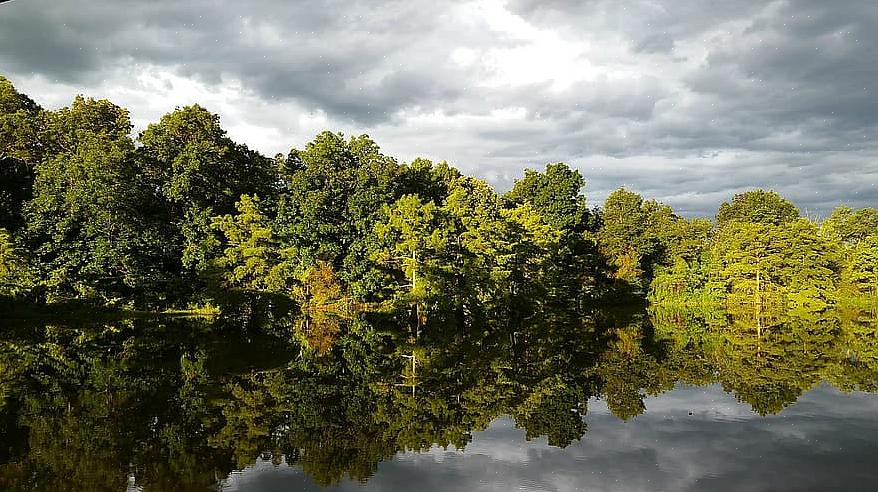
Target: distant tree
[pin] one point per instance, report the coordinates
(862, 267)
(851, 226)
(556, 194)
(758, 206)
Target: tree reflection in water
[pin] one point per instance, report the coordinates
(178, 404)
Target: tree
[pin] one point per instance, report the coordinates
(16, 277)
(415, 237)
(321, 287)
(530, 244)
(790, 259)
(85, 225)
(333, 191)
(555, 194)
(850, 226)
(764, 207)
(628, 237)
(198, 172)
(862, 268)
(478, 242)
(253, 258)
(21, 148)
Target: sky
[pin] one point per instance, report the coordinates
(685, 101)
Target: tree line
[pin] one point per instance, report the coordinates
(182, 215)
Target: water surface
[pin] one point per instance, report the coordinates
(596, 400)
(826, 441)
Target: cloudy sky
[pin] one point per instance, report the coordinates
(687, 101)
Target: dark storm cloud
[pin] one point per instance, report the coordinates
(719, 95)
(340, 57)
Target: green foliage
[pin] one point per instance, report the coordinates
(855, 233)
(190, 160)
(638, 237)
(850, 226)
(155, 224)
(21, 148)
(759, 206)
(622, 237)
(333, 192)
(16, 276)
(760, 252)
(862, 267)
(416, 240)
(791, 260)
(198, 172)
(253, 259)
(555, 194)
(84, 224)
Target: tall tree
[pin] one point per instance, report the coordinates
(21, 148)
(253, 258)
(792, 260)
(555, 194)
(332, 194)
(416, 237)
(764, 207)
(198, 172)
(84, 224)
(625, 237)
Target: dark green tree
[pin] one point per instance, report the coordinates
(21, 148)
(765, 207)
(333, 192)
(16, 275)
(556, 194)
(85, 225)
(198, 172)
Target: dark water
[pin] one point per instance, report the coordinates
(604, 400)
(826, 441)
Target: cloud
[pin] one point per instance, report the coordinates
(685, 100)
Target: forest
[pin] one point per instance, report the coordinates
(182, 217)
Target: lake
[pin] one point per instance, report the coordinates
(606, 399)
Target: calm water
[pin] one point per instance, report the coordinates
(606, 400)
(826, 441)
